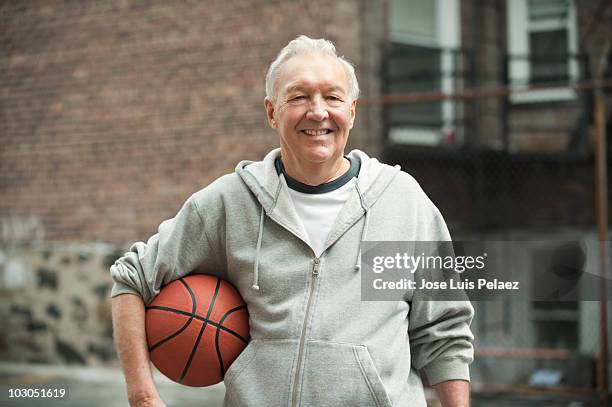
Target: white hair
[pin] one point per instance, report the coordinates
(305, 45)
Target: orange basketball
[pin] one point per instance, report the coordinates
(196, 327)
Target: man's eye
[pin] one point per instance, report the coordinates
(299, 97)
(334, 98)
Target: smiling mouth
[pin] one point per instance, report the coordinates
(321, 132)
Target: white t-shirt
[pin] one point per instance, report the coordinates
(318, 207)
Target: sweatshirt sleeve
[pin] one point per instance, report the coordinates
(181, 245)
(439, 331)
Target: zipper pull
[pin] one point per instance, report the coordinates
(317, 265)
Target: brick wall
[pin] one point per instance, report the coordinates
(594, 19)
(114, 112)
(483, 33)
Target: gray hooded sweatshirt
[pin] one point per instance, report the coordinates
(313, 341)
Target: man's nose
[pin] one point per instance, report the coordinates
(317, 110)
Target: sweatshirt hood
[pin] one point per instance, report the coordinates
(263, 181)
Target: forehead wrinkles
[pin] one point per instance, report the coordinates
(312, 70)
(302, 86)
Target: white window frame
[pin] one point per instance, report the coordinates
(518, 29)
(448, 36)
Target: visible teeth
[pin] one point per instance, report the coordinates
(316, 132)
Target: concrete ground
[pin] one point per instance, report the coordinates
(104, 386)
(98, 387)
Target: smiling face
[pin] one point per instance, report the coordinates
(312, 112)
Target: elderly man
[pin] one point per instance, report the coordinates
(286, 232)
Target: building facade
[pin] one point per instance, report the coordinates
(114, 112)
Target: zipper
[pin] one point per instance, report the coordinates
(315, 273)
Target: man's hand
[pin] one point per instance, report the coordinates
(453, 393)
(147, 401)
(131, 343)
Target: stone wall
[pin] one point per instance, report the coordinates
(55, 304)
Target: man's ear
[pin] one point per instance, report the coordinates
(353, 110)
(270, 112)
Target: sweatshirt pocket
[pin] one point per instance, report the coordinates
(340, 374)
(261, 374)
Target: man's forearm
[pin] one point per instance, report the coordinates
(453, 393)
(131, 343)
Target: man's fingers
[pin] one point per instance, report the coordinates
(149, 402)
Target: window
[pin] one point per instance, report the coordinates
(542, 49)
(424, 36)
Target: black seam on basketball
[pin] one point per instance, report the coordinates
(193, 350)
(203, 319)
(197, 342)
(175, 334)
(214, 298)
(194, 305)
(167, 338)
(219, 357)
